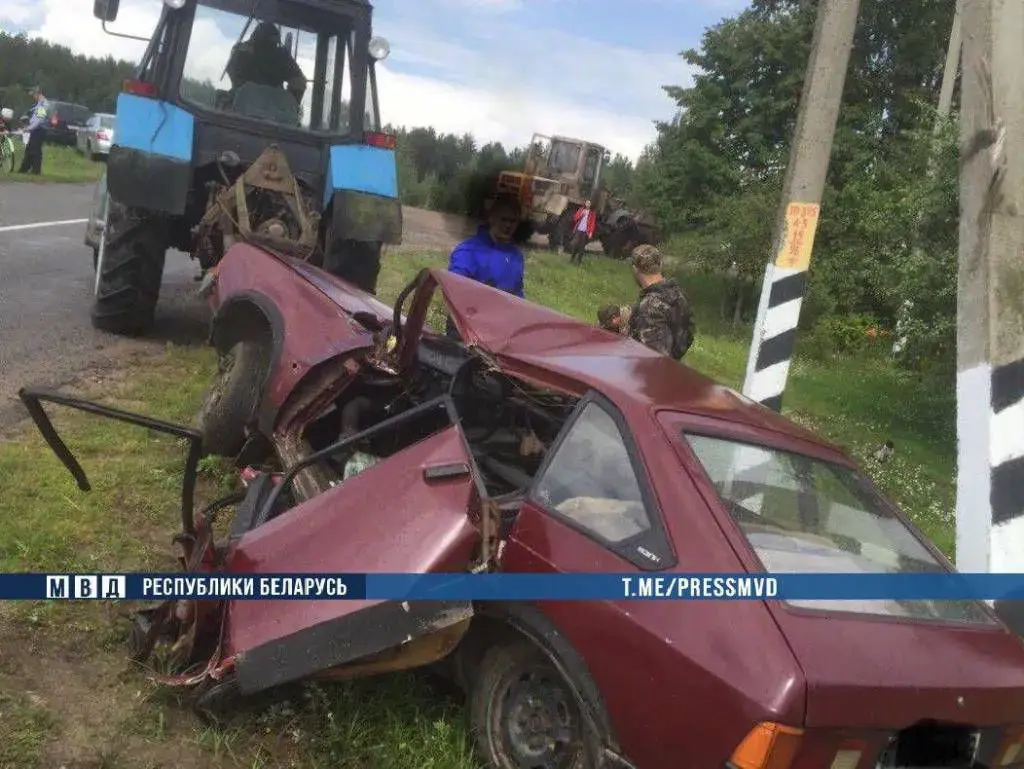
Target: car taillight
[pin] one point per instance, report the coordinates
(138, 88)
(382, 140)
(102, 135)
(53, 120)
(767, 746)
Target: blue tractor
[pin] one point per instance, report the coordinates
(252, 120)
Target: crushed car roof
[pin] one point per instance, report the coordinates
(626, 371)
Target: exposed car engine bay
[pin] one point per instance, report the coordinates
(508, 424)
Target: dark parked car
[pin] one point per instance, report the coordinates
(540, 444)
(65, 121)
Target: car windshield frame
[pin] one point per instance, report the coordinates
(348, 25)
(870, 500)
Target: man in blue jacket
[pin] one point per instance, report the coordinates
(491, 256)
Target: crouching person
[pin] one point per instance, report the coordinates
(662, 317)
(613, 318)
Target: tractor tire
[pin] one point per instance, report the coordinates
(133, 269)
(354, 261)
(614, 244)
(561, 235)
(232, 398)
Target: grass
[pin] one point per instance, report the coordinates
(60, 164)
(396, 722)
(27, 726)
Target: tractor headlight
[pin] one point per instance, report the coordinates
(175, 5)
(379, 48)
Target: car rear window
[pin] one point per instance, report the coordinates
(803, 515)
(107, 121)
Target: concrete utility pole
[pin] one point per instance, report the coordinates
(785, 279)
(990, 311)
(952, 65)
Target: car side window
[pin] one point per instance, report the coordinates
(591, 481)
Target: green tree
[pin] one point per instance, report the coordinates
(711, 173)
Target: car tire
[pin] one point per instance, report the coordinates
(522, 712)
(133, 269)
(232, 398)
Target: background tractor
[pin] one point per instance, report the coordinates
(559, 175)
(208, 152)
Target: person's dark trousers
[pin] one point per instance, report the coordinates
(33, 160)
(577, 247)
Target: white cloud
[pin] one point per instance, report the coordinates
(17, 12)
(459, 72)
(509, 116)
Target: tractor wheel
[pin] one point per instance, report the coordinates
(561, 235)
(232, 398)
(133, 268)
(355, 261)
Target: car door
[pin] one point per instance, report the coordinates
(408, 513)
(591, 506)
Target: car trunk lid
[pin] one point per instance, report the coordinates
(868, 667)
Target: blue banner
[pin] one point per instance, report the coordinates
(498, 587)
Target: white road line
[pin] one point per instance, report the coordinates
(37, 225)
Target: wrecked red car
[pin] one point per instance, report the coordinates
(536, 443)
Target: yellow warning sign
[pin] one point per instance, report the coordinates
(801, 224)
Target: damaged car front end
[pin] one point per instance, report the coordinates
(244, 647)
(397, 451)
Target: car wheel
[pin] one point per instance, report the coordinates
(523, 713)
(232, 398)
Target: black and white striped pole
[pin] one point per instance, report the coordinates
(990, 312)
(785, 278)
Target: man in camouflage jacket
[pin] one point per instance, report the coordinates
(662, 317)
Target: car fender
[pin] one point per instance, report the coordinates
(250, 316)
(308, 317)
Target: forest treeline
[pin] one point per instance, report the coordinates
(886, 245)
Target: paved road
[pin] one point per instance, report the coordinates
(46, 281)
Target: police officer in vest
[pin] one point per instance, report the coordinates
(37, 117)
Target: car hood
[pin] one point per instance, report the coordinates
(354, 302)
(878, 665)
(560, 351)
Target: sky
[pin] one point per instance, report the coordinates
(498, 69)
